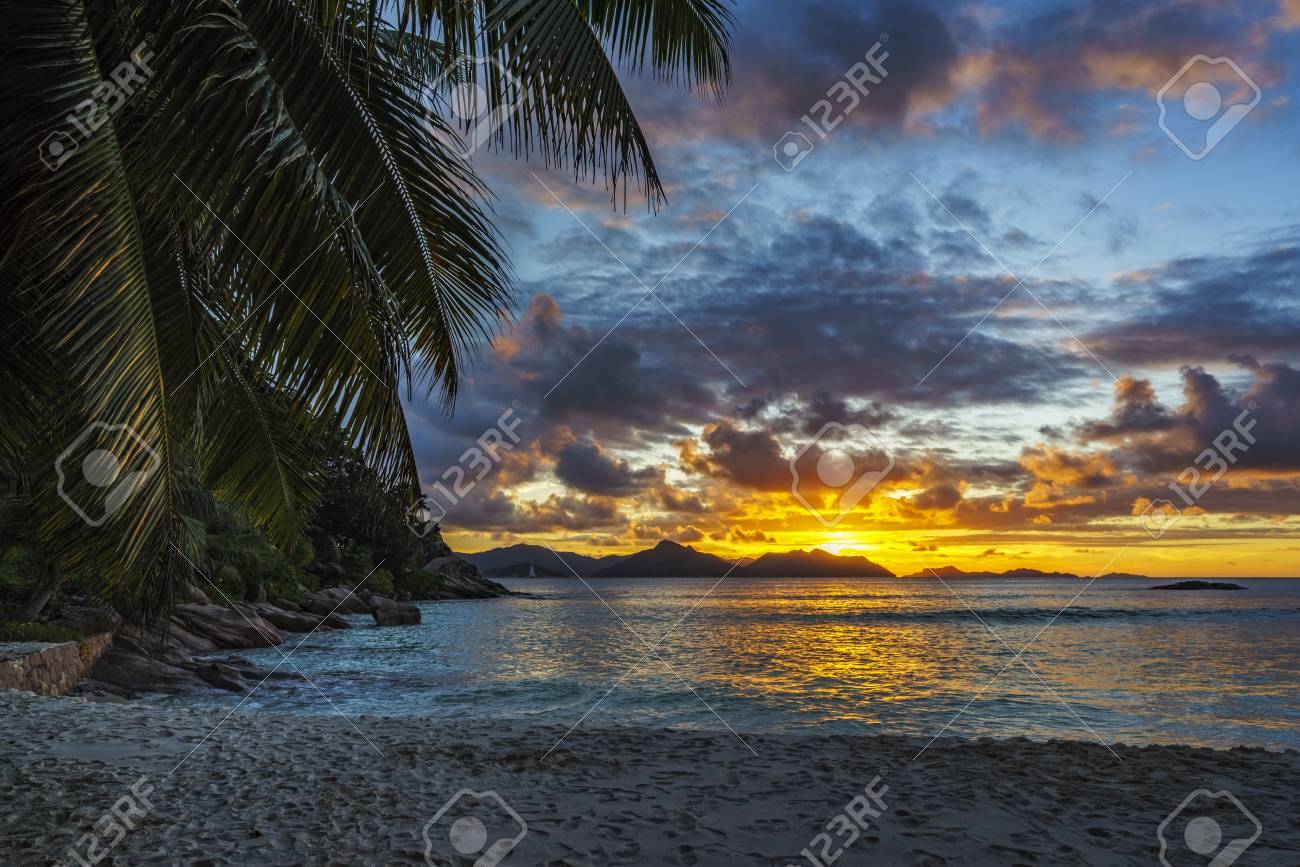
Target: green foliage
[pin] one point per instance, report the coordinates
(24, 574)
(359, 523)
(261, 138)
(358, 529)
(229, 584)
(15, 631)
(418, 584)
(16, 570)
(243, 560)
(381, 582)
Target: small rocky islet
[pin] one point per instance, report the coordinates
(1198, 585)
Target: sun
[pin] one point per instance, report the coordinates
(836, 547)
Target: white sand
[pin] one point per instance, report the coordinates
(272, 789)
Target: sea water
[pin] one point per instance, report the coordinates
(1109, 660)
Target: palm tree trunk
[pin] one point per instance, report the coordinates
(48, 582)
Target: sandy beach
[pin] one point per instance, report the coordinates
(277, 789)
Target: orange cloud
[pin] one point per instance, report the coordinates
(1288, 17)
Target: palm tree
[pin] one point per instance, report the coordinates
(231, 224)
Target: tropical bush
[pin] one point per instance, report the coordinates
(418, 584)
(14, 631)
(231, 229)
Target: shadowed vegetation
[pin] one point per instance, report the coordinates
(258, 234)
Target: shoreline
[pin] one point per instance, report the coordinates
(257, 791)
(317, 709)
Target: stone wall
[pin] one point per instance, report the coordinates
(49, 669)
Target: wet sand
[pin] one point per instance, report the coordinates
(81, 780)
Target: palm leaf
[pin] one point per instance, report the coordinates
(141, 281)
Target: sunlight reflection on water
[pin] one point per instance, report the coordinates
(1138, 666)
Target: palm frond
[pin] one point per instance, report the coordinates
(267, 241)
(90, 287)
(550, 79)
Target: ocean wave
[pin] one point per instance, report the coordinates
(1031, 614)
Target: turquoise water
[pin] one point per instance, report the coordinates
(1135, 665)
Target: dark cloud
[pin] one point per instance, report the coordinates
(787, 59)
(1191, 309)
(751, 458)
(821, 408)
(1017, 237)
(568, 513)
(482, 509)
(687, 534)
(1136, 410)
(678, 501)
(1265, 418)
(961, 200)
(1036, 73)
(749, 537)
(618, 383)
(837, 311)
(589, 469)
(866, 329)
(938, 498)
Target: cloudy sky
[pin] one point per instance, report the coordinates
(1020, 306)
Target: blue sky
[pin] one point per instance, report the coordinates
(832, 290)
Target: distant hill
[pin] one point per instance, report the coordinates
(812, 564)
(672, 560)
(544, 559)
(952, 572)
(666, 560)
